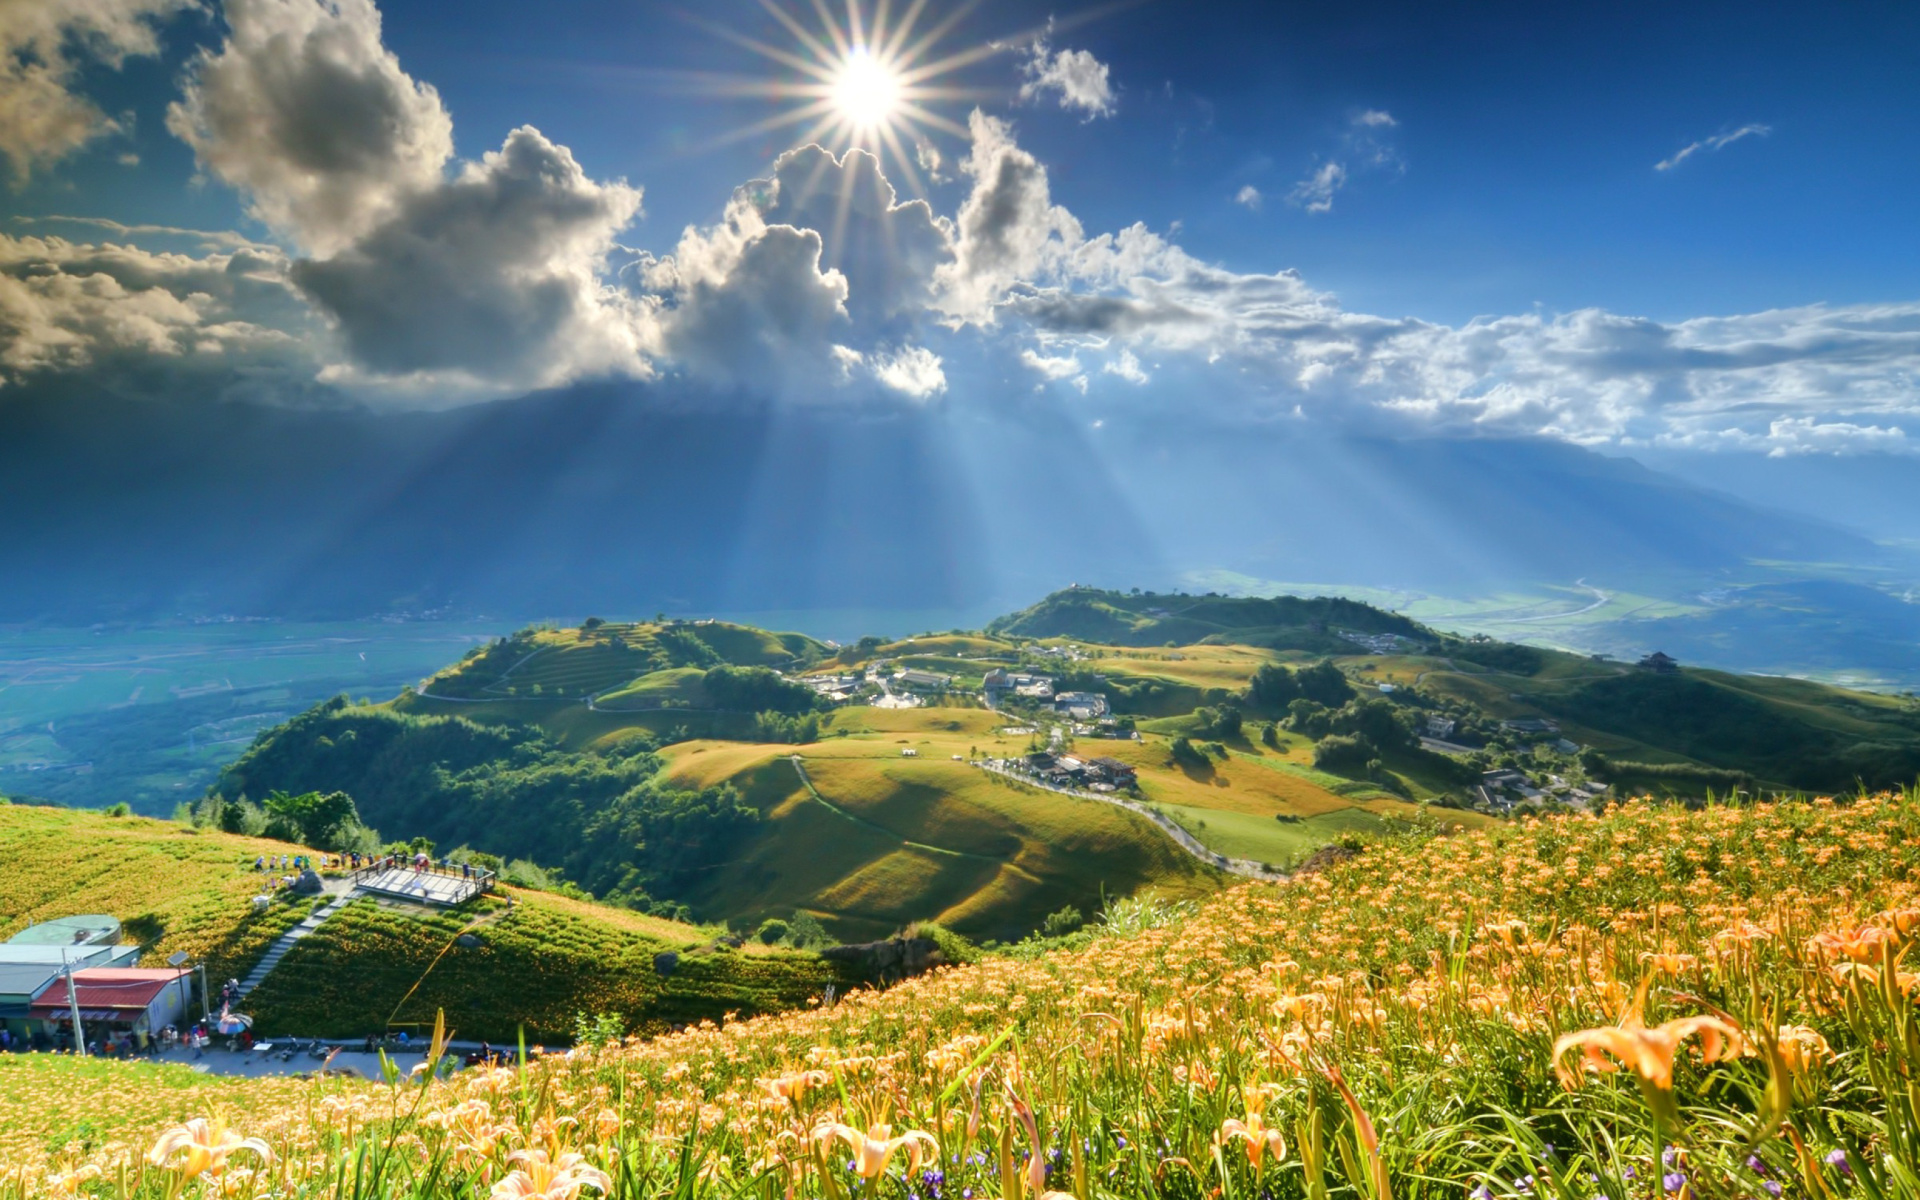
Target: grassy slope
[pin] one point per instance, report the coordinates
(538, 963)
(1458, 963)
(891, 839)
(177, 888)
(173, 888)
(1764, 725)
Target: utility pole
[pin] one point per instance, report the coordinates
(73, 1009)
(206, 1003)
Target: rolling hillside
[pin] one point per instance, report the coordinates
(1423, 1010)
(177, 888)
(654, 765)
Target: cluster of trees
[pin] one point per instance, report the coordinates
(1274, 688)
(785, 727)
(601, 820)
(1221, 723)
(1384, 724)
(757, 690)
(324, 820)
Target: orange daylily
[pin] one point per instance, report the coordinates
(1802, 1048)
(1258, 1137)
(875, 1148)
(1863, 945)
(206, 1144)
(542, 1178)
(794, 1088)
(1650, 1052)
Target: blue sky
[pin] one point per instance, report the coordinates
(1498, 162)
(1527, 137)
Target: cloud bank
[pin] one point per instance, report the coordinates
(402, 273)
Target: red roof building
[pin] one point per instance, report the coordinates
(120, 996)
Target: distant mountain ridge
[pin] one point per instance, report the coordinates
(1151, 619)
(636, 497)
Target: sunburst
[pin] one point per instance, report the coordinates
(862, 79)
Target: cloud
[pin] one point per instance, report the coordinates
(1366, 145)
(1254, 346)
(1315, 192)
(888, 251)
(117, 310)
(1128, 368)
(1249, 196)
(912, 371)
(1078, 78)
(1008, 230)
(493, 275)
(1792, 437)
(1052, 367)
(746, 304)
(311, 117)
(483, 280)
(43, 45)
(1711, 144)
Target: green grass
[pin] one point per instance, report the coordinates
(892, 840)
(176, 888)
(677, 685)
(172, 888)
(536, 964)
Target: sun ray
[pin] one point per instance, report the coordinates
(799, 31)
(944, 27)
(779, 121)
(867, 74)
(891, 49)
(840, 43)
(927, 117)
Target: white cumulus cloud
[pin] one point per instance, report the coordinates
(1080, 81)
(305, 111)
(43, 46)
(111, 309)
(1249, 196)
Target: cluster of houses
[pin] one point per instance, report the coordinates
(1502, 791)
(1080, 706)
(1064, 770)
(1382, 643)
(51, 971)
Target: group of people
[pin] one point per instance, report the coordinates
(287, 862)
(356, 861)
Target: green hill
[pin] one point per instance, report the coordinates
(601, 657)
(649, 764)
(1149, 619)
(178, 888)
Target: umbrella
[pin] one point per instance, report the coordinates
(232, 1022)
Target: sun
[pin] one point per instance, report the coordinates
(866, 92)
(860, 78)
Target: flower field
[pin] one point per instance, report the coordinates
(1651, 1003)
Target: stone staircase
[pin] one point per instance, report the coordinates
(286, 941)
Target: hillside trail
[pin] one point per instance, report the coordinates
(1181, 838)
(800, 769)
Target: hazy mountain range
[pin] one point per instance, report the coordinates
(630, 497)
